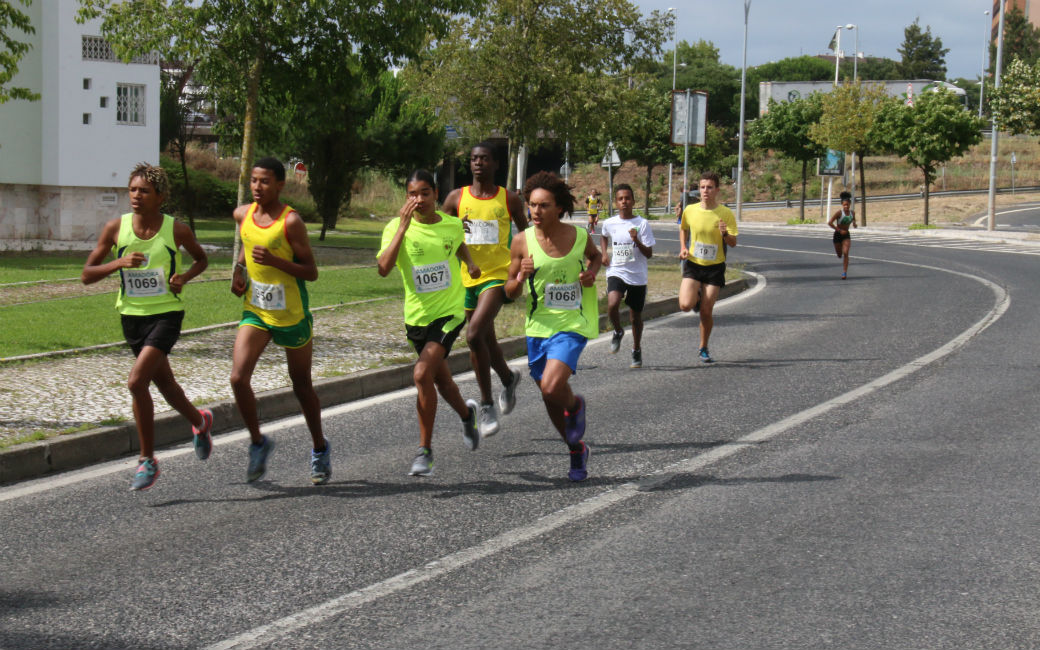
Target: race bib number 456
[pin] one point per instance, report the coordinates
(143, 283)
(431, 277)
(622, 252)
(563, 296)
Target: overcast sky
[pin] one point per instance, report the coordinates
(778, 29)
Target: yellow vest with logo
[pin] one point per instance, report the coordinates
(279, 299)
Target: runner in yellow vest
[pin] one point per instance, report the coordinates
(558, 264)
(706, 230)
(426, 246)
(487, 211)
(271, 274)
(145, 247)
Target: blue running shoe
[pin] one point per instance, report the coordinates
(579, 464)
(321, 465)
(574, 427)
(146, 474)
(258, 459)
(704, 356)
(203, 441)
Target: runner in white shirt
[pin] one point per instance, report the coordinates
(631, 242)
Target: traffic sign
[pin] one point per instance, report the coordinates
(301, 170)
(610, 159)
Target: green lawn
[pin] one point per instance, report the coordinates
(90, 320)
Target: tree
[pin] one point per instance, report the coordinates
(642, 129)
(1016, 104)
(12, 51)
(924, 57)
(1021, 40)
(933, 131)
(849, 113)
(785, 129)
(533, 68)
(701, 69)
(235, 42)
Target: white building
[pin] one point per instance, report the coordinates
(65, 159)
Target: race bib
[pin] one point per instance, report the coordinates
(431, 277)
(482, 232)
(706, 252)
(563, 296)
(268, 296)
(623, 252)
(144, 283)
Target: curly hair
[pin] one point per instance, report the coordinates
(156, 176)
(553, 184)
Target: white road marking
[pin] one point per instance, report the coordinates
(271, 632)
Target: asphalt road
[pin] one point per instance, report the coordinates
(1023, 217)
(857, 470)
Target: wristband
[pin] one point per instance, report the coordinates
(241, 267)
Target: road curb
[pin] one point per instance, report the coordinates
(70, 451)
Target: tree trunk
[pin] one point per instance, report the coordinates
(862, 193)
(248, 139)
(514, 149)
(649, 184)
(805, 179)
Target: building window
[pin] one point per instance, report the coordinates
(96, 48)
(86, 83)
(86, 118)
(130, 104)
(103, 102)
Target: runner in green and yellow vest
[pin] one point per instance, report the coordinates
(426, 246)
(270, 275)
(145, 246)
(841, 221)
(558, 264)
(488, 212)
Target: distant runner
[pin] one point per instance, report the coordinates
(426, 245)
(593, 204)
(562, 313)
(631, 242)
(840, 222)
(711, 228)
(487, 211)
(145, 245)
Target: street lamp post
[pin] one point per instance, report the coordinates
(985, 55)
(992, 220)
(743, 90)
(675, 50)
(855, 77)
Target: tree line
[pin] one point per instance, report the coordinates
(347, 85)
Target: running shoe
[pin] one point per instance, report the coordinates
(321, 465)
(574, 427)
(469, 426)
(507, 398)
(423, 463)
(579, 464)
(637, 359)
(487, 420)
(615, 341)
(203, 441)
(146, 474)
(705, 357)
(258, 459)
(842, 275)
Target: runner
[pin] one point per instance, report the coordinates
(271, 274)
(631, 245)
(145, 245)
(486, 210)
(840, 222)
(593, 204)
(562, 311)
(712, 228)
(423, 244)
